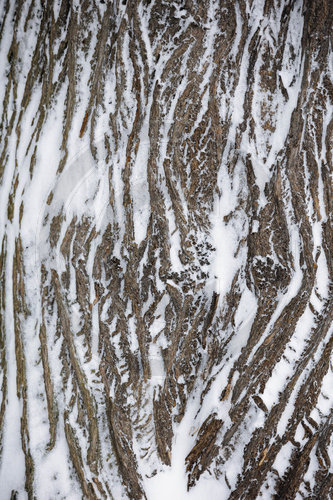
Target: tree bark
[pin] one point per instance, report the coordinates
(166, 249)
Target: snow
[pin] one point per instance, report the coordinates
(281, 462)
(84, 188)
(285, 367)
(54, 476)
(227, 235)
(12, 470)
(171, 482)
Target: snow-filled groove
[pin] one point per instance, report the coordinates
(166, 249)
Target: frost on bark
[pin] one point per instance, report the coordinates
(166, 249)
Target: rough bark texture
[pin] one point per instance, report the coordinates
(166, 247)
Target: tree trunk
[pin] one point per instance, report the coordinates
(166, 249)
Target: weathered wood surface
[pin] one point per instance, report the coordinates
(166, 247)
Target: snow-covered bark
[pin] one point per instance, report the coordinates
(166, 249)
